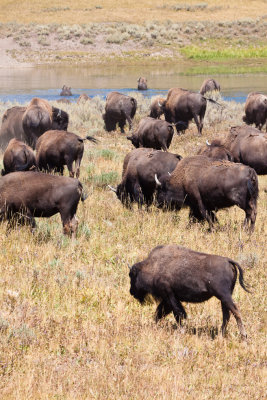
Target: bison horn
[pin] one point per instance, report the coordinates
(59, 113)
(160, 105)
(169, 173)
(207, 143)
(112, 188)
(157, 181)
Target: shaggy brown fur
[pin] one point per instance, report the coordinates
(18, 157)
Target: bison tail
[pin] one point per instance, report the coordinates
(243, 284)
(92, 139)
(252, 185)
(82, 192)
(213, 101)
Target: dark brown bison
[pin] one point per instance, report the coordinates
(119, 108)
(83, 98)
(18, 157)
(65, 91)
(26, 195)
(156, 109)
(142, 83)
(248, 146)
(138, 175)
(256, 110)
(54, 149)
(181, 106)
(28, 123)
(153, 133)
(215, 150)
(173, 274)
(207, 186)
(209, 85)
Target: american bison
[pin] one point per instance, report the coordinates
(210, 85)
(207, 186)
(173, 274)
(119, 108)
(65, 91)
(26, 195)
(83, 98)
(216, 151)
(156, 109)
(54, 149)
(181, 106)
(256, 110)
(18, 157)
(139, 169)
(153, 133)
(142, 83)
(28, 123)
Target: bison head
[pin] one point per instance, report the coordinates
(134, 141)
(137, 290)
(169, 194)
(60, 119)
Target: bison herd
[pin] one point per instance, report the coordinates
(223, 173)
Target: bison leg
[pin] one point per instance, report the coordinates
(69, 163)
(177, 309)
(198, 124)
(226, 317)
(121, 125)
(77, 167)
(228, 304)
(162, 310)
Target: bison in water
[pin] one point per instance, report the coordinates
(58, 148)
(25, 195)
(256, 110)
(138, 176)
(142, 83)
(207, 186)
(181, 106)
(152, 133)
(18, 157)
(173, 274)
(65, 91)
(28, 123)
(209, 85)
(216, 151)
(119, 108)
(156, 109)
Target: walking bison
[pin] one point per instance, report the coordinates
(256, 110)
(210, 85)
(118, 109)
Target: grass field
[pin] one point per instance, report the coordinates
(69, 328)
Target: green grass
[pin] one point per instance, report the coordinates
(200, 53)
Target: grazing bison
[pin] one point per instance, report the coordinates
(139, 169)
(156, 109)
(174, 274)
(58, 148)
(65, 91)
(256, 110)
(216, 151)
(119, 108)
(25, 195)
(153, 133)
(18, 157)
(142, 83)
(181, 106)
(28, 123)
(209, 85)
(83, 98)
(248, 146)
(207, 186)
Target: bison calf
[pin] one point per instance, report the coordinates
(175, 274)
(18, 157)
(25, 195)
(153, 133)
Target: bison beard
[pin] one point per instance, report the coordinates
(175, 274)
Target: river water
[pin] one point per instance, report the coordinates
(22, 84)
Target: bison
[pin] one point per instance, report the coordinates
(139, 168)
(247, 145)
(209, 85)
(58, 148)
(26, 195)
(207, 186)
(156, 109)
(28, 123)
(18, 157)
(83, 98)
(173, 274)
(181, 106)
(65, 91)
(256, 110)
(119, 108)
(142, 83)
(152, 133)
(216, 151)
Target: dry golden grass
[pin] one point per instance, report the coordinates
(82, 11)
(69, 328)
